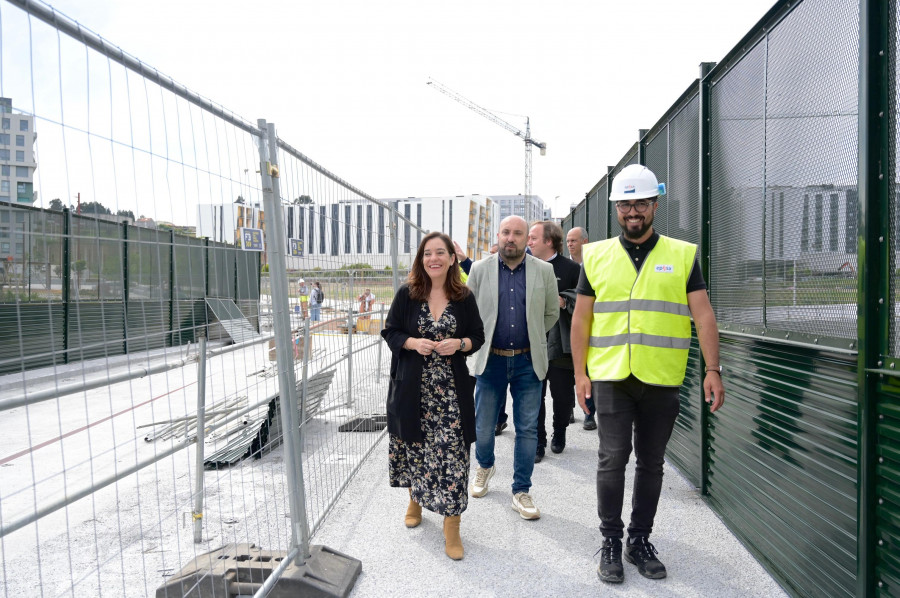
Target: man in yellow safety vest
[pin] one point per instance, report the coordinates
(631, 333)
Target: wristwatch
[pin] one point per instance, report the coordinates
(714, 368)
(462, 344)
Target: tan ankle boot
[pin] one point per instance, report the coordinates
(413, 512)
(452, 542)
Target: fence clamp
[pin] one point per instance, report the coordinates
(272, 170)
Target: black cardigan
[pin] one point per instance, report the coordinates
(405, 387)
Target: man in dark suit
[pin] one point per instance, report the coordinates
(546, 242)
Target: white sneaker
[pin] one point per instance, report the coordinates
(523, 503)
(482, 477)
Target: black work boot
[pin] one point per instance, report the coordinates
(610, 569)
(539, 454)
(640, 552)
(558, 442)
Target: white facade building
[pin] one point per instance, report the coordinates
(358, 231)
(17, 162)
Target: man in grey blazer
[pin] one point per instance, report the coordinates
(518, 302)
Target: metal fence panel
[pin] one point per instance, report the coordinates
(189, 269)
(809, 216)
(894, 173)
(38, 333)
(683, 178)
(597, 210)
(95, 329)
(887, 401)
(106, 454)
(580, 215)
(782, 164)
(783, 462)
(737, 161)
(656, 158)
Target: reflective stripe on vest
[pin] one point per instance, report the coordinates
(641, 322)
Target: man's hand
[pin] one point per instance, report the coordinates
(583, 391)
(460, 254)
(714, 390)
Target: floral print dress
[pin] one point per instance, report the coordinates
(437, 469)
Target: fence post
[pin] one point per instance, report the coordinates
(609, 211)
(395, 261)
(642, 146)
(350, 356)
(877, 56)
(125, 287)
(307, 350)
(703, 132)
(287, 388)
(66, 279)
(197, 515)
(171, 334)
(381, 316)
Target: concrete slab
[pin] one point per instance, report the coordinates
(506, 555)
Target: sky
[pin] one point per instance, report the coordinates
(345, 81)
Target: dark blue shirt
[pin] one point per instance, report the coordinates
(512, 323)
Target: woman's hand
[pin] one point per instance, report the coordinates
(422, 346)
(447, 346)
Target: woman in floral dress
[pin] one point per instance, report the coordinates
(433, 324)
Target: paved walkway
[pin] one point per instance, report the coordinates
(506, 555)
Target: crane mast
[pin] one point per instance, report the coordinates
(524, 135)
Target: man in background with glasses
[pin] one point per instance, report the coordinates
(631, 333)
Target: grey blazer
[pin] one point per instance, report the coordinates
(541, 308)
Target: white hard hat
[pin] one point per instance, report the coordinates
(635, 182)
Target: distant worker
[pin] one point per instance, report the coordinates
(365, 303)
(632, 331)
(545, 240)
(304, 298)
(575, 240)
(315, 301)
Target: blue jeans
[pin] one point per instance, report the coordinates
(517, 374)
(315, 310)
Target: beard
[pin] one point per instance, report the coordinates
(632, 233)
(511, 252)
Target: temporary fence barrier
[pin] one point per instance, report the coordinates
(181, 407)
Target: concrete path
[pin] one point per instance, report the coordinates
(506, 555)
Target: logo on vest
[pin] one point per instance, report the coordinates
(665, 269)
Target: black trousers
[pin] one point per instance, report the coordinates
(562, 391)
(649, 412)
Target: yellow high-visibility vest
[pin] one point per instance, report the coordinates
(462, 275)
(641, 323)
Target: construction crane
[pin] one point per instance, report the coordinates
(526, 135)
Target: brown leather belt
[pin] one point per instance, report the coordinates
(509, 352)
